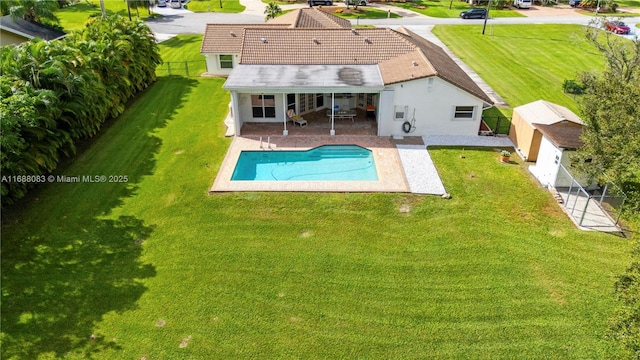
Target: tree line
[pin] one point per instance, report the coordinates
(54, 94)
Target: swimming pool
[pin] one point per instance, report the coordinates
(323, 163)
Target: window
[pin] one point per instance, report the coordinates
(464, 112)
(226, 61)
(263, 106)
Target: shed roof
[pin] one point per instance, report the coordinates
(28, 29)
(565, 137)
(545, 112)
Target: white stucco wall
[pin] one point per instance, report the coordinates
(434, 101)
(547, 164)
(213, 64)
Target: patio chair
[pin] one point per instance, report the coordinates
(296, 119)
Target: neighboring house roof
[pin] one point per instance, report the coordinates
(28, 29)
(565, 137)
(311, 18)
(544, 112)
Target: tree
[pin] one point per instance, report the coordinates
(272, 10)
(610, 109)
(36, 11)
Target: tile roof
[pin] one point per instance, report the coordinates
(312, 18)
(313, 37)
(445, 67)
(566, 137)
(322, 46)
(28, 29)
(227, 38)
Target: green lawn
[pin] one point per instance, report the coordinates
(524, 63)
(362, 12)
(154, 267)
(228, 6)
(73, 17)
(440, 9)
(154, 262)
(181, 56)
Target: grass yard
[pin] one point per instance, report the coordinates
(73, 17)
(440, 9)
(524, 63)
(181, 56)
(362, 12)
(228, 6)
(154, 267)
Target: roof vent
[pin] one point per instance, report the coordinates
(354, 32)
(367, 41)
(316, 41)
(264, 40)
(414, 63)
(232, 33)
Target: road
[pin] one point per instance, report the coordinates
(180, 21)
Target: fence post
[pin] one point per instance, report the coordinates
(169, 68)
(186, 68)
(584, 211)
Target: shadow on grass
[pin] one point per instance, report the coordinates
(64, 265)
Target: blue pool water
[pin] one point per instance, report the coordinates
(325, 163)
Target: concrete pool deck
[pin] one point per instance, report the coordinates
(388, 165)
(403, 166)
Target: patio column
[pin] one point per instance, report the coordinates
(332, 132)
(285, 132)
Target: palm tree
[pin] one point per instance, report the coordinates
(272, 10)
(35, 11)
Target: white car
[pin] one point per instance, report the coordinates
(175, 4)
(162, 3)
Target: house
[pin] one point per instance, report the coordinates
(17, 31)
(311, 61)
(525, 132)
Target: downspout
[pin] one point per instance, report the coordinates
(285, 132)
(332, 132)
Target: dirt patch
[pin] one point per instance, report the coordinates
(185, 342)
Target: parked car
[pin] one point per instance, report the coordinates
(617, 27)
(162, 3)
(575, 3)
(522, 4)
(356, 2)
(320, 2)
(475, 13)
(175, 4)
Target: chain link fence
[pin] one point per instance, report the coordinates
(191, 68)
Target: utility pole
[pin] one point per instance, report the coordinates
(103, 10)
(486, 17)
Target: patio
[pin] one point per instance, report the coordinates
(317, 124)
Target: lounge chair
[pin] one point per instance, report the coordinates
(296, 119)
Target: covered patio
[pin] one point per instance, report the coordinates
(332, 99)
(317, 124)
